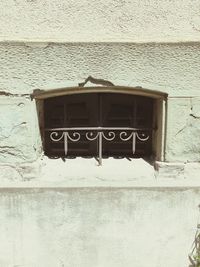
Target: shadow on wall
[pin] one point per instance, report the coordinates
(194, 256)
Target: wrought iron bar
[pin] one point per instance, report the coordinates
(97, 128)
(72, 134)
(100, 148)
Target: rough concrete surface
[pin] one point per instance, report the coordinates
(100, 21)
(81, 172)
(183, 130)
(20, 138)
(74, 213)
(19, 135)
(171, 68)
(97, 227)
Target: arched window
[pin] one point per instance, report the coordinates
(99, 123)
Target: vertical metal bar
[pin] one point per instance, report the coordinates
(134, 122)
(100, 148)
(100, 110)
(134, 142)
(65, 113)
(65, 143)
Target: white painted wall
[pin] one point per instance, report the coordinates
(19, 131)
(183, 130)
(100, 21)
(97, 227)
(173, 69)
(130, 215)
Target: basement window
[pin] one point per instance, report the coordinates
(98, 125)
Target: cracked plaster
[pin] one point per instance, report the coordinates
(19, 136)
(183, 130)
(98, 223)
(171, 68)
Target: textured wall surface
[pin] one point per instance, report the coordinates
(97, 227)
(183, 129)
(127, 217)
(97, 21)
(173, 69)
(19, 132)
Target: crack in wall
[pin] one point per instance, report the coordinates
(5, 93)
(12, 151)
(189, 121)
(6, 136)
(181, 130)
(195, 117)
(192, 112)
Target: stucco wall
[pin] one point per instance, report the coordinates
(19, 132)
(100, 21)
(171, 68)
(97, 227)
(183, 129)
(128, 216)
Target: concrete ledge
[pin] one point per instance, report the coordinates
(189, 171)
(169, 170)
(137, 173)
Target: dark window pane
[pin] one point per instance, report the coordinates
(95, 110)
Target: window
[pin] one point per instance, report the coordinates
(98, 125)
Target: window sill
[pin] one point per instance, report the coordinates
(88, 172)
(85, 173)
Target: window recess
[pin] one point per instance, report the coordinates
(98, 125)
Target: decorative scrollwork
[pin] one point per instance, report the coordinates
(99, 133)
(110, 137)
(90, 136)
(124, 136)
(142, 136)
(55, 136)
(75, 137)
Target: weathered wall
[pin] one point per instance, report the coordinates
(173, 69)
(97, 227)
(183, 129)
(100, 21)
(19, 131)
(153, 44)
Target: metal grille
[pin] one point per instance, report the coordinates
(98, 125)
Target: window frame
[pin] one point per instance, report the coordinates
(160, 108)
